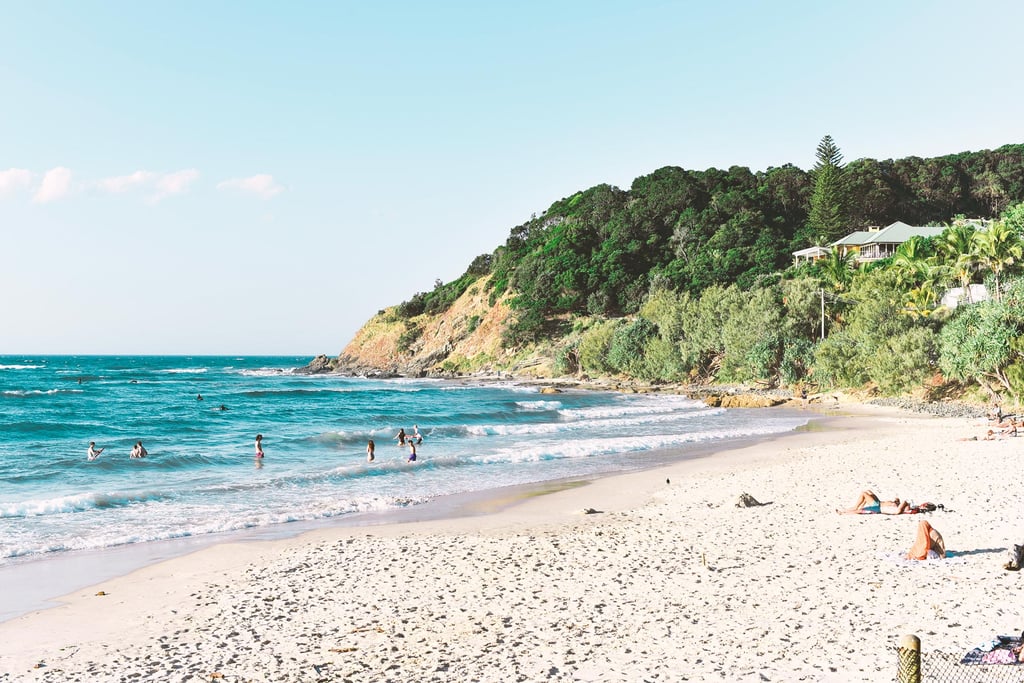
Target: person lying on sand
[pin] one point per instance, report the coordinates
(869, 504)
(928, 545)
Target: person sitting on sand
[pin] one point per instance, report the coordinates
(869, 504)
(928, 545)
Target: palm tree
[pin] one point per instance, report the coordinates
(837, 269)
(958, 255)
(910, 262)
(998, 248)
(921, 300)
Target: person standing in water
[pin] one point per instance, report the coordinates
(138, 451)
(93, 451)
(416, 436)
(369, 450)
(259, 446)
(401, 436)
(412, 450)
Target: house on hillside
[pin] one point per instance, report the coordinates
(871, 244)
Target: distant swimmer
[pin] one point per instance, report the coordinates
(259, 446)
(223, 407)
(199, 397)
(138, 451)
(93, 451)
(401, 436)
(412, 451)
(370, 446)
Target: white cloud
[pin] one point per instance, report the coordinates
(56, 183)
(123, 183)
(262, 185)
(14, 179)
(171, 184)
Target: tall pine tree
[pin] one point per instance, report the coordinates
(826, 221)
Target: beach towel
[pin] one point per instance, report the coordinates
(999, 650)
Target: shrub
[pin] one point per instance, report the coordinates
(594, 345)
(628, 344)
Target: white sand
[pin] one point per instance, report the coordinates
(790, 591)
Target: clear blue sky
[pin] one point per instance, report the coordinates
(247, 178)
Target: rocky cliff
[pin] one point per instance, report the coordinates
(464, 339)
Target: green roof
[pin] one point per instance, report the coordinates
(897, 233)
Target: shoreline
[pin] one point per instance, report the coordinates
(44, 580)
(631, 591)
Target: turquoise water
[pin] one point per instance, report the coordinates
(201, 478)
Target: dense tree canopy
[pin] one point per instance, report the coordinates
(698, 264)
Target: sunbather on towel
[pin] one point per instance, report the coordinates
(869, 504)
(928, 545)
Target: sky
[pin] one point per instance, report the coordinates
(263, 177)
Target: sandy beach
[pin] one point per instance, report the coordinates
(668, 580)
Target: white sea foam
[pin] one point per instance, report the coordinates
(185, 371)
(634, 409)
(21, 367)
(583, 448)
(539, 405)
(75, 503)
(266, 372)
(39, 392)
(615, 420)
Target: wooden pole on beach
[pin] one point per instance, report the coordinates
(909, 660)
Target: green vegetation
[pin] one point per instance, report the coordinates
(686, 276)
(827, 220)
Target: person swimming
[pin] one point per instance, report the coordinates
(94, 452)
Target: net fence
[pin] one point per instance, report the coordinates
(946, 667)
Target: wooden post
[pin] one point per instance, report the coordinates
(909, 660)
(822, 292)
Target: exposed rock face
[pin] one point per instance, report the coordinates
(317, 366)
(742, 401)
(466, 335)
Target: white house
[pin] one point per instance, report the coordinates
(871, 244)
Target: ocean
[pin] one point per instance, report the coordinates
(201, 479)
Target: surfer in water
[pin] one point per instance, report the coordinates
(93, 451)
